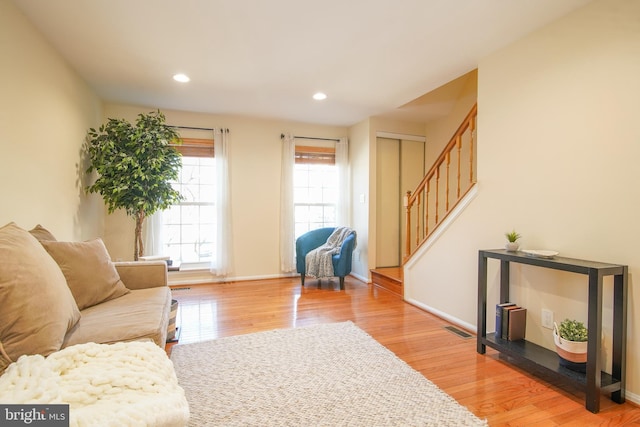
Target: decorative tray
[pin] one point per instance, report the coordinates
(540, 253)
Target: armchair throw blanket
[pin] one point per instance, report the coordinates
(318, 262)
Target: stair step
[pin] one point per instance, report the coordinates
(389, 279)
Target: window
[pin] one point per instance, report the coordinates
(189, 227)
(315, 189)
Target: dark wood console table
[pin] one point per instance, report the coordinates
(594, 380)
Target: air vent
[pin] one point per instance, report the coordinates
(458, 332)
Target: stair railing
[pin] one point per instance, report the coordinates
(441, 188)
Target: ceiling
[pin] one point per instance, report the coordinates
(266, 58)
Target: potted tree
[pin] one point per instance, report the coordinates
(135, 164)
(570, 339)
(512, 241)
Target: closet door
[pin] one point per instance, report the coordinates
(411, 173)
(399, 167)
(388, 203)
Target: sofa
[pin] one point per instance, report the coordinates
(59, 294)
(141, 314)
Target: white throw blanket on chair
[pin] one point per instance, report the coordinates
(318, 262)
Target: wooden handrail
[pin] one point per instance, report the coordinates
(462, 142)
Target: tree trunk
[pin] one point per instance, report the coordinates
(138, 249)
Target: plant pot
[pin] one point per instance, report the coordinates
(572, 354)
(512, 246)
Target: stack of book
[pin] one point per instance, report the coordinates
(511, 321)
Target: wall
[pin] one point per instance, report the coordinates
(359, 153)
(45, 112)
(558, 144)
(439, 132)
(255, 151)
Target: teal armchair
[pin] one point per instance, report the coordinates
(312, 239)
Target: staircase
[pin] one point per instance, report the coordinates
(451, 177)
(388, 278)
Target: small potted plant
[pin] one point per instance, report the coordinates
(512, 241)
(571, 344)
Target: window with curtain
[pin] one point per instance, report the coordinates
(189, 227)
(315, 188)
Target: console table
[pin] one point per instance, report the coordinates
(594, 380)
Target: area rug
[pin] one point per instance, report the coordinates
(324, 375)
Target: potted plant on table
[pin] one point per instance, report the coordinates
(570, 339)
(135, 164)
(512, 241)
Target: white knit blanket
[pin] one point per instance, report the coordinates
(319, 261)
(122, 384)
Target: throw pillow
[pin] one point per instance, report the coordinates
(41, 233)
(37, 306)
(90, 274)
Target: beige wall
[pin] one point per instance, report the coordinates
(45, 112)
(255, 151)
(558, 144)
(439, 132)
(359, 153)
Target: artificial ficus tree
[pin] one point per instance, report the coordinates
(135, 164)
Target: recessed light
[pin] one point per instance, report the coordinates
(320, 96)
(182, 78)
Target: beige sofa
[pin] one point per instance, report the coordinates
(55, 294)
(141, 314)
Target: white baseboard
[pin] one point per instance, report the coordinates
(632, 397)
(199, 277)
(359, 277)
(441, 314)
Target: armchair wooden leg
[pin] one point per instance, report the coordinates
(302, 279)
(342, 283)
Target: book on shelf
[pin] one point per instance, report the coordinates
(506, 313)
(517, 324)
(499, 313)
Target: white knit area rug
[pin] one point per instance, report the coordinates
(324, 375)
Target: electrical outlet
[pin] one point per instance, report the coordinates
(547, 318)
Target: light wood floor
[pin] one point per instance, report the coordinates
(489, 386)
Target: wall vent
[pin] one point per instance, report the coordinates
(458, 332)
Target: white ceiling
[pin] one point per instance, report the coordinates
(266, 58)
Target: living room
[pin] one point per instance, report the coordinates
(556, 139)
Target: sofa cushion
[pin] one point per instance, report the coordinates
(90, 274)
(142, 314)
(37, 308)
(41, 233)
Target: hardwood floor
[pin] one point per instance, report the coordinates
(490, 387)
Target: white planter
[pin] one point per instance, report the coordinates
(573, 351)
(512, 246)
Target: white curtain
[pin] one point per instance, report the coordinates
(222, 264)
(152, 235)
(287, 227)
(342, 166)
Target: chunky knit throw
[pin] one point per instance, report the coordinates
(319, 261)
(122, 384)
